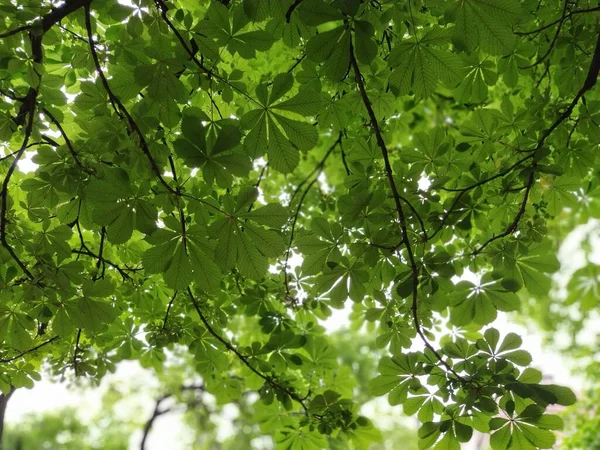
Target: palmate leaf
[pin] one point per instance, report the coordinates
(217, 26)
(119, 206)
(584, 288)
(418, 66)
(179, 275)
(396, 377)
(277, 135)
(480, 303)
(530, 268)
(272, 215)
(506, 350)
(221, 161)
(528, 430)
(179, 264)
(485, 23)
(92, 314)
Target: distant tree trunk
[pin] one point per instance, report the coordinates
(4, 398)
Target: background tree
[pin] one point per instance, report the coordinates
(188, 154)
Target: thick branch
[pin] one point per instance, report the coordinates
(156, 413)
(76, 353)
(4, 195)
(4, 398)
(290, 10)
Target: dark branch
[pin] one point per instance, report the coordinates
(122, 272)
(31, 350)
(590, 81)
(156, 413)
(493, 177)
(515, 223)
(401, 216)
(317, 170)
(293, 6)
(269, 380)
(67, 141)
(164, 325)
(561, 19)
(554, 39)
(15, 31)
(117, 103)
(76, 353)
(4, 194)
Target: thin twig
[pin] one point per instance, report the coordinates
(33, 349)
(561, 19)
(317, 170)
(401, 217)
(554, 39)
(164, 325)
(75, 353)
(67, 141)
(114, 99)
(269, 380)
(515, 223)
(122, 272)
(590, 81)
(492, 178)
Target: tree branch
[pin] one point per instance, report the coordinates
(269, 380)
(31, 350)
(67, 142)
(554, 39)
(76, 352)
(119, 269)
(290, 10)
(156, 413)
(401, 217)
(164, 325)
(117, 104)
(4, 194)
(561, 19)
(590, 81)
(317, 170)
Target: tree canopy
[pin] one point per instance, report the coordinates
(219, 175)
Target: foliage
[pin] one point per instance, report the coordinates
(582, 422)
(178, 150)
(63, 428)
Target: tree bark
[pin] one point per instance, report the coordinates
(4, 398)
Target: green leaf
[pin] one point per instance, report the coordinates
(179, 274)
(306, 102)
(282, 156)
(316, 12)
(272, 215)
